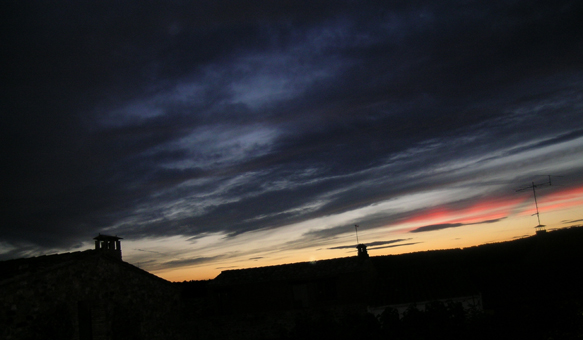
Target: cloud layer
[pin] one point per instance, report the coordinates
(189, 119)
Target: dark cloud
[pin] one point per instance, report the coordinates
(434, 227)
(186, 119)
(396, 245)
(188, 262)
(488, 221)
(373, 244)
(150, 251)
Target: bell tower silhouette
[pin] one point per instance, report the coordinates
(109, 244)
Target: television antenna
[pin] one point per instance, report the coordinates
(539, 228)
(362, 253)
(549, 176)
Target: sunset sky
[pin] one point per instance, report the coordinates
(217, 135)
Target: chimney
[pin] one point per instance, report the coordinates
(362, 253)
(109, 244)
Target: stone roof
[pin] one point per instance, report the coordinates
(17, 269)
(301, 271)
(23, 266)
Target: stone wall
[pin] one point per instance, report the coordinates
(92, 297)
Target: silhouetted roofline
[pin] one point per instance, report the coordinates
(293, 271)
(17, 269)
(107, 238)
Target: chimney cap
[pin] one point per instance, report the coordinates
(107, 238)
(362, 253)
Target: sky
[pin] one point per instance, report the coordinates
(214, 135)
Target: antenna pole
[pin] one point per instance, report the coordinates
(539, 228)
(535, 202)
(356, 229)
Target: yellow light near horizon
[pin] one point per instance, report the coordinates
(258, 249)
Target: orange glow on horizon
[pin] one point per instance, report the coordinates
(460, 235)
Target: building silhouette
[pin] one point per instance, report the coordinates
(86, 295)
(95, 295)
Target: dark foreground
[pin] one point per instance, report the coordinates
(530, 289)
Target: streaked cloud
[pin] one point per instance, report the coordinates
(373, 244)
(434, 227)
(212, 134)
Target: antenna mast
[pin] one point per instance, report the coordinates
(356, 230)
(539, 228)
